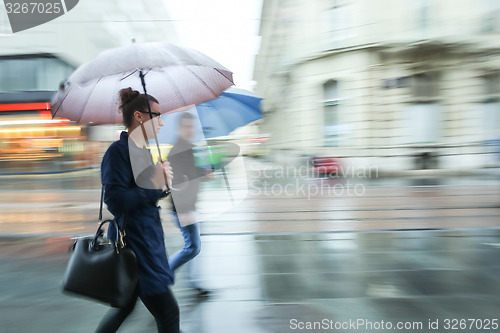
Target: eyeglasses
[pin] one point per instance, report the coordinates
(154, 114)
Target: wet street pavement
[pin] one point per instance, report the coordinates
(68, 204)
(418, 254)
(275, 283)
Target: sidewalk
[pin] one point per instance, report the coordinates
(262, 282)
(74, 212)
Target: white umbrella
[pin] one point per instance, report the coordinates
(178, 77)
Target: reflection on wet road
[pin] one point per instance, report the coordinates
(262, 282)
(404, 250)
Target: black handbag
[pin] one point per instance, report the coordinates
(102, 269)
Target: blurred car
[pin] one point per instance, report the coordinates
(326, 166)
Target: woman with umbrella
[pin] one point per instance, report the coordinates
(136, 206)
(179, 78)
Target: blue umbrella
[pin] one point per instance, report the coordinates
(218, 117)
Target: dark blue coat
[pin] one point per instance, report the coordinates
(144, 232)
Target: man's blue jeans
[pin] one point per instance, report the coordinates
(192, 246)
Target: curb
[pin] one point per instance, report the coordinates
(56, 238)
(20, 237)
(46, 173)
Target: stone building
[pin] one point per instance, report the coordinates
(397, 84)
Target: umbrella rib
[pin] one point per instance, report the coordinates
(123, 78)
(83, 110)
(60, 104)
(59, 107)
(204, 83)
(230, 80)
(176, 88)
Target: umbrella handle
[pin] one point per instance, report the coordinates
(169, 185)
(160, 159)
(210, 157)
(228, 187)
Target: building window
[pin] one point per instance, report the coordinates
(339, 23)
(31, 73)
(489, 16)
(423, 15)
(331, 106)
(492, 87)
(424, 117)
(425, 87)
(491, 107)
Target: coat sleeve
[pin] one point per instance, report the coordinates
(122, 195)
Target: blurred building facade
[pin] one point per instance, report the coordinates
(91, 27)
(396, 84)
(34, 62)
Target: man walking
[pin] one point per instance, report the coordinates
(187, 178)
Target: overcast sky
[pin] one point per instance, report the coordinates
(226, 30)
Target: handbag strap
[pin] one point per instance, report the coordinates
(100, 206)
(125, 215)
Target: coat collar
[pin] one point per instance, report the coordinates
(124, 136)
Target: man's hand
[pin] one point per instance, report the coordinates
(167, 169)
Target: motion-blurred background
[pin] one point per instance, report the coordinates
(402, 85)
(399, 84)
(372, 181)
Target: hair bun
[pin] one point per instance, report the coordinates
(127, 95)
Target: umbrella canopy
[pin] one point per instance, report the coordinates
(217, 117)
(178, 77)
